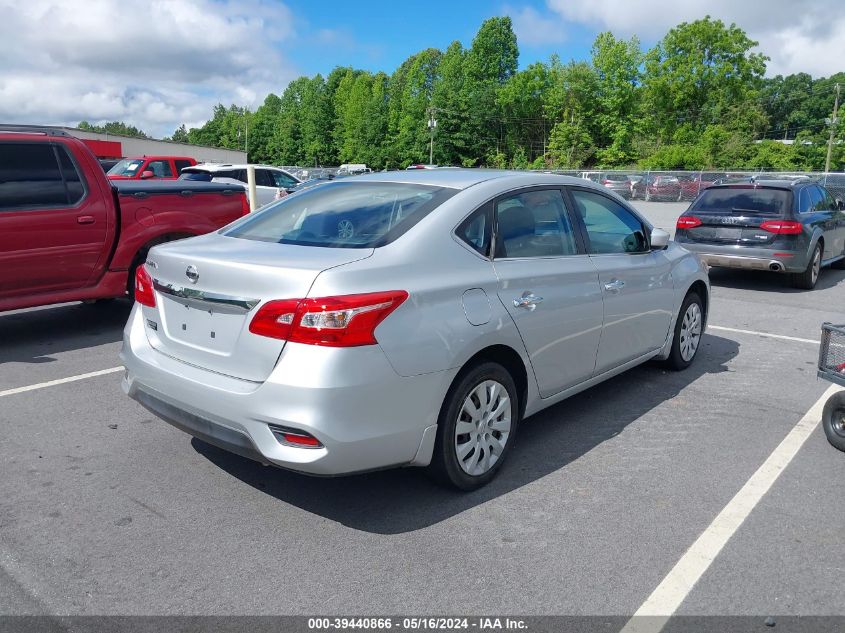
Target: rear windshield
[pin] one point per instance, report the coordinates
(202, 175)
(126, 167)
(343, 214)
(743, 200)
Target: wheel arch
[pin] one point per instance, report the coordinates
(141, 254)
(508, 358)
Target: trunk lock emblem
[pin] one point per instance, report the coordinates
(192, 273)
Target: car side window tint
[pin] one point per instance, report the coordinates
(804, 203)
(534, 224)
(160, 168)
(611, 228)
(30, 177)
(73, 182)
(263, 178)
(182, 164)
(817, 201)
(829, 200)
(477, 231)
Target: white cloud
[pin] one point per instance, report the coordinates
(533, 29)
(798, 35)
(153, 64)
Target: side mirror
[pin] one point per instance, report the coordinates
(659, 239)
(147, 174)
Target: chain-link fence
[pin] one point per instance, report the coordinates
(681, 186)
(657, 186)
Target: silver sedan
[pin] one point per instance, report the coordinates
(406, 319)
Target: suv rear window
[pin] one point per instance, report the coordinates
(746, 200)
(343, 215)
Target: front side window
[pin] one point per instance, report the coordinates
(263, 178)
(818, 200)
(30, 177)
(160, 168)
(343, 215)
(611, 228)
(282, 180)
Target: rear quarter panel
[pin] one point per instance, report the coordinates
(149, 218)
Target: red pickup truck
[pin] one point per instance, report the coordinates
(161, 167)
(67, 233)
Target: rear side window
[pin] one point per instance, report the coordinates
(263, 178)
(476, 230)
(746, 200)
(534, 224)
(31, 177)
(181, 164)
(343, 215)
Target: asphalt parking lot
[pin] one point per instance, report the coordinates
(106, 510)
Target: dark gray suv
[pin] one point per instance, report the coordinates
(786, 226)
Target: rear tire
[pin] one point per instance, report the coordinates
(833, 420)
(807, 280)
(689, 326)
(484, 402)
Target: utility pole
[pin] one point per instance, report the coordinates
(432, 123)
(832, 123)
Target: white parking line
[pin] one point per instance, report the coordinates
(652, 616)
(764, 334)
(60, 381)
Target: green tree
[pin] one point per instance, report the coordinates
(113, 127)
(696, 73)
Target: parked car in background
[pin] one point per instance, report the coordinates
(294, 336)
(67, 233)
(618, 183)
(422, 166)
(145, 167)
(693, 184)
(656, 187)
(592, 176)
(270, 182)
(785, 226)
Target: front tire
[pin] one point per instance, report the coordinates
(833, 420)
(476, 427)
(689, 327)
(807, 280)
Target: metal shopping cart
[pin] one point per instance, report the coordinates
(832, 368)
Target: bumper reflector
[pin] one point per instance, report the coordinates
(294, 437)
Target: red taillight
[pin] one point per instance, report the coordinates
(244, 205)
(605, 182)
(342, 321)
(783, 227)
(144, 287)
(687, 222)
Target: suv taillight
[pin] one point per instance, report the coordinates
(687, 222)
(144, 287)
(782, 227)
(342, 321)
(245, 205)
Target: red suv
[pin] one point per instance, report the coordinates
(160, 167)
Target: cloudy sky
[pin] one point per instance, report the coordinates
(158, 63)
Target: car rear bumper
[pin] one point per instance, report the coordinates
(749, 258)
(363, 413)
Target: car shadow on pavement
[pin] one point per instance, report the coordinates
(404, 499)
(33, 336)
(771, 282)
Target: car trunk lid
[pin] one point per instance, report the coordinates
(208, 290)
(734, 215)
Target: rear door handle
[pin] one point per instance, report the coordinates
(614, 285)
(527, 300)
(85, 219)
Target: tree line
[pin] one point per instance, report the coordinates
(697, 100)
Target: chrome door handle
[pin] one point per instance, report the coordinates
(614, 285)
(527, 300)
